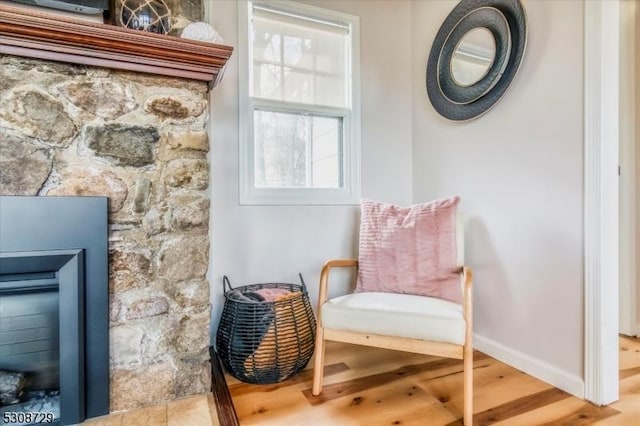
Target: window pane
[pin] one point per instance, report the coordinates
(298, 86)
(298, 50)
(269, 83)
(326, 153)
(266, 46)
(310, 53)
(329, 90)
(297, 151)
(330, 54)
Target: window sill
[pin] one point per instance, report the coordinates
(298, 197)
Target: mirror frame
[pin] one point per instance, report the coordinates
(506, 20)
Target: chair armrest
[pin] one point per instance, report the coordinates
(324, 276)
(467, 286)
(467, 280)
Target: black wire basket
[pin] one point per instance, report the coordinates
(265, 341)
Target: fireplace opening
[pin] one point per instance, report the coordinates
(29, 345)
(41, 293)
(53, 309)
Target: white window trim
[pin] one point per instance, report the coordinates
(249, 194)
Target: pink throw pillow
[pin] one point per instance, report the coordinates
(409, 249)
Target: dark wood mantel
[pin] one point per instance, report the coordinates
(46, 36)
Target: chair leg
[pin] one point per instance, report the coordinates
(468, 386)
(318, 364)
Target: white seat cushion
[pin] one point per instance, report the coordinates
(399, 315)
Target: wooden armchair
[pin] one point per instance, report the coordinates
(445, 327)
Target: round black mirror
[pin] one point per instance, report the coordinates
(475, 56)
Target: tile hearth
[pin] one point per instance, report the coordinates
(199, 410)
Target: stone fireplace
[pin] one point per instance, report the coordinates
(139, 139)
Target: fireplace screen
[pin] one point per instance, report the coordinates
(53, 310)
(41, 293)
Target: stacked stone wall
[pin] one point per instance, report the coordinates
(141, 141)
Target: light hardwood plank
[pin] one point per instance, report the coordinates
(519, 405)
(241, 388)
(587, 414)
(546, 415)
(495, 383)
(338, 390)
(629, 412)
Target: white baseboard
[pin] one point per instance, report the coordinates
(534, 367)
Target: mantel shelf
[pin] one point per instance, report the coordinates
(45, 36)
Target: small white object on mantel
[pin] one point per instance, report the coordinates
(202, 31)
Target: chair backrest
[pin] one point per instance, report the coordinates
(460, 221)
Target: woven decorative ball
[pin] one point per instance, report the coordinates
(147, 15)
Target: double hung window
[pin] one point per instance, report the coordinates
(299, 109)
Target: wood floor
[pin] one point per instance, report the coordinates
(367, 386)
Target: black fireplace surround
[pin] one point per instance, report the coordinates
(66, 237)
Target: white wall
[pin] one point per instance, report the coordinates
(519, 172)
(518, 169)
(628, 314)
(274, 243)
